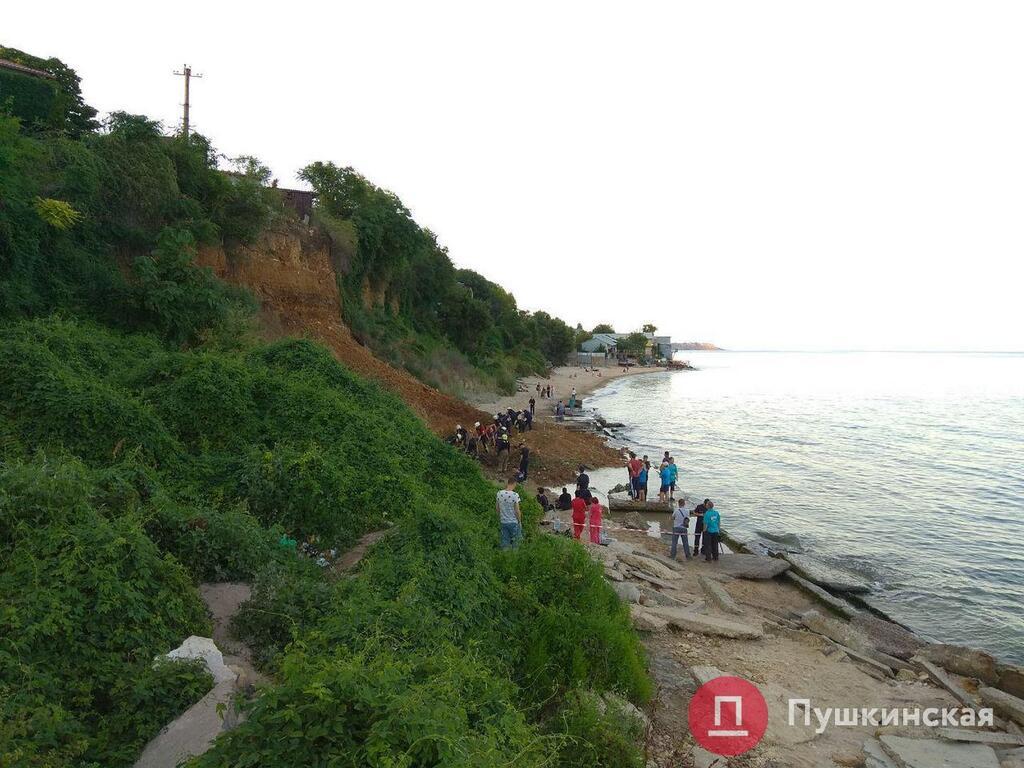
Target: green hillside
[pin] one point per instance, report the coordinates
(149, 443)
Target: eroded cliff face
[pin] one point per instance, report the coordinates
(288, 268)
(293, 271)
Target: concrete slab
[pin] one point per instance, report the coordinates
(718, 595)
(1003, 703)
(707, 625)
(931, 753)
(828, 576)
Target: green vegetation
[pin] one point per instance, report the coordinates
(403, 296)
(148, 443)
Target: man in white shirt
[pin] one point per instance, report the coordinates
(509, 516)
(680, 525)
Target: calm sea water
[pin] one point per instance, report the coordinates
(906, 467)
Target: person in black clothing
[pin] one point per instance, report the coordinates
(529, 419)
(542, 499)
(565, 500)
(533, 405)
(524, 463)
(582, 479)
(503, 442)
(698, 525)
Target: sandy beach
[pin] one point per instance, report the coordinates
(562, 380)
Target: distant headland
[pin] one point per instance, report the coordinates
(692, 346)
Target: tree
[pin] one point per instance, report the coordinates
(634, 344)
(649, 328)
(603, 328)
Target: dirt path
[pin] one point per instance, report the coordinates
(223, 601)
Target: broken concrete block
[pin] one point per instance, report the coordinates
(204, 648)
(645, 621)
(931, 753)
(707, 625)
(1003, 703)
(717, 594)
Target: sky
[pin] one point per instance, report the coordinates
(761, 175)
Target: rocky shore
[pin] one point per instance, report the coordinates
(752, 616)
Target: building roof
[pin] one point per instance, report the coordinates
(16, 67)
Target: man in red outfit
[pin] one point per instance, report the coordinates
(579, 514)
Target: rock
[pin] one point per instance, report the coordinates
(888, 637)
(783, 542)
(962, 661)
(661, 583)
(744, 566)
(992, 738)
(649, 566)
(707, 625)
(849, 759)
(628, 708)
(716, 594)
(779, 731)
(930, 753)
(1003, 703)
(634, 521)
(645, 621)
(1011, 680)
(204, 648)
(833, 603)
(654, 597)
(704, 759)
(906, 676)
(874, 755)
(703, 674)
(943, 680)
(825, 575)
(628, 593)
(849, 637)
(614, 575)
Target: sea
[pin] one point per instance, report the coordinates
(906, 467)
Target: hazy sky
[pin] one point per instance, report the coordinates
(757, 174)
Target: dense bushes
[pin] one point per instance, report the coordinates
(88, 601)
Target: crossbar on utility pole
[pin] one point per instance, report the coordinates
(186, 72)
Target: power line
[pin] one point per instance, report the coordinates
(187, 74)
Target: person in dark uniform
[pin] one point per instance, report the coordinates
(565, 500)
(698, 525)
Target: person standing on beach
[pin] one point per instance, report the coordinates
(698, 525)
(582, 479)
(712, 523)
(504, 445)
(533, 405)
(635, 465)
(674, 475)
(665, 476)
(641, 481)
(680, 530)
(595, 520)
(559, 411)
(510, 519)
(579, 514)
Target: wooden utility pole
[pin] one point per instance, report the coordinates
(186, 72)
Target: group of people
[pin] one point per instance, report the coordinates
(639, 477)
(544, 392)
(707, 528)
(479, 440)
(584, 505)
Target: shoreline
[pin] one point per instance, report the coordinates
(803, 640)
(561, 379)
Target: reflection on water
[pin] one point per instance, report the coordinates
(908, 467)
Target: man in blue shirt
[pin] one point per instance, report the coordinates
(712, 529)
(673, 470)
